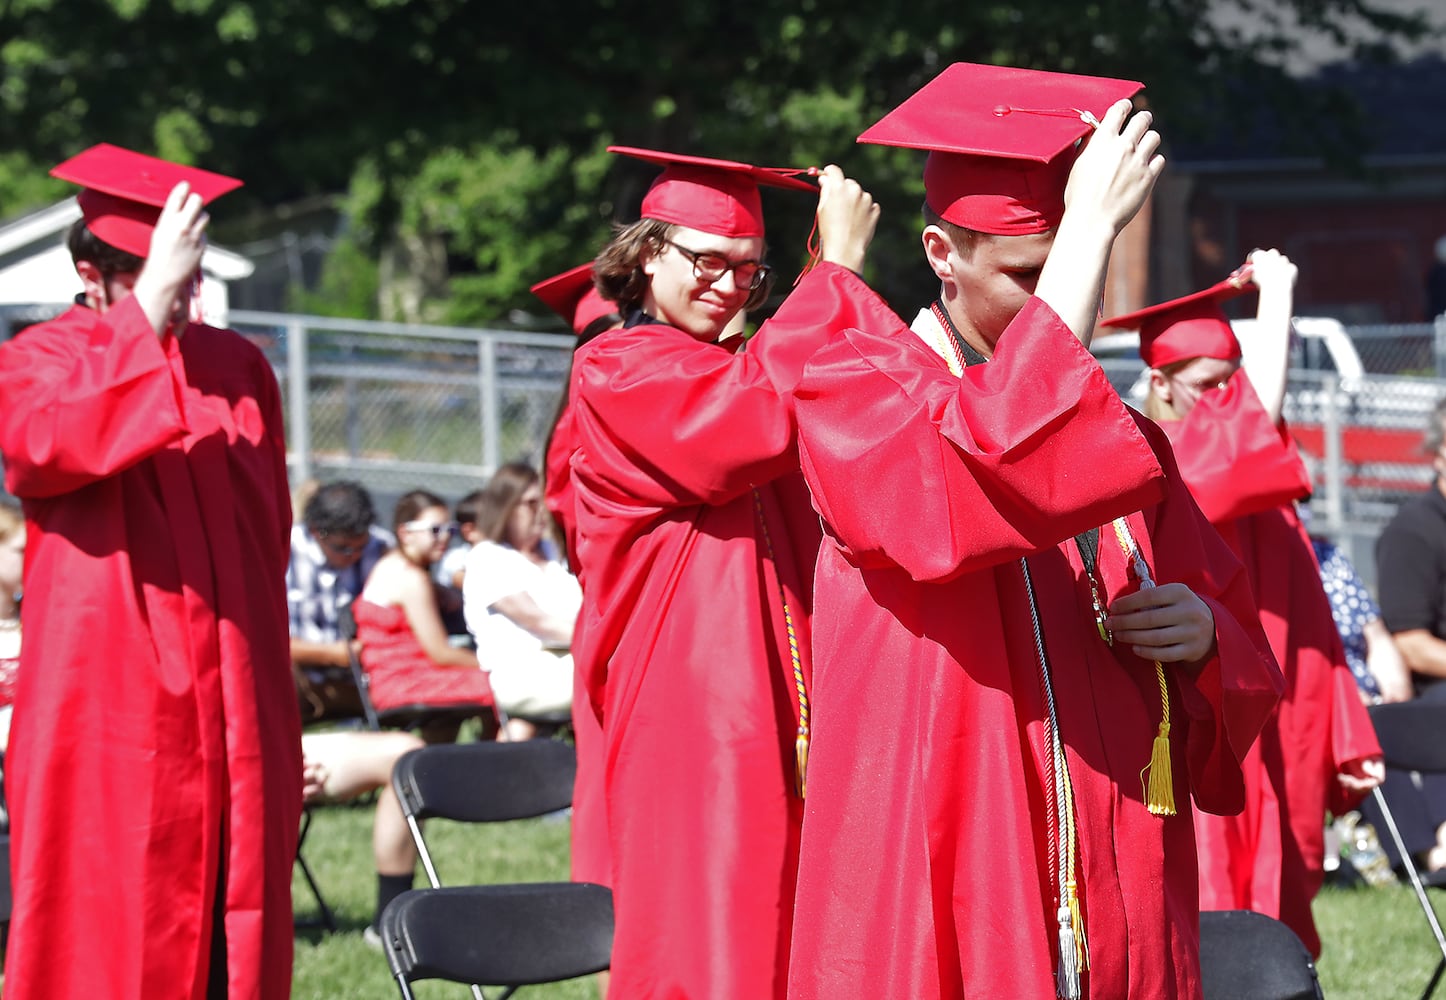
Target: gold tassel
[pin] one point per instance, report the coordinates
(1160, 790)
(800, 753)
(1076, 921)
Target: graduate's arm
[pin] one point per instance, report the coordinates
(84, 397)
(1107, 186)
(913, 467)
(177, 245)
(1265, 352)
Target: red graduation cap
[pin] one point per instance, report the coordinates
(712, 196)
(572, 296)
(1193, 326)
(1001, 141)
(124, 192)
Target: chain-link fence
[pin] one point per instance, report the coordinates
(402, 407)
(398, 407)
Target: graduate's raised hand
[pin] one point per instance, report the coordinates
(1169, 623)
(177, 245)
(1117, 168)
(847, 218)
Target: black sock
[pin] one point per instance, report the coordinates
(389, 887)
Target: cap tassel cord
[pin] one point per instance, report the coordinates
(815, 252)
(800, 743)
(1159, 785)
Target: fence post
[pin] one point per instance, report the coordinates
(298, 380)
(1333, 429)
(487, 400)
(1439, 341)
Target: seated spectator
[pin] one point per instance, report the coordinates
(520, 604)
(405, 651)
(339, 766)
(12, 560)
(452, 567)
(333, 549)
(1380, 672)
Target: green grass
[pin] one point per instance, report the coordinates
(340, 966)
(1377, 944)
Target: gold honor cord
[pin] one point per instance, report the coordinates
(800, 743)
(1159, 789)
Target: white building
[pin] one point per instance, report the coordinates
(37, 279)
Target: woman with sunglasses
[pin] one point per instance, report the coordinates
(405, 649)
(695, 544)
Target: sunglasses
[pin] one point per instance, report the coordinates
(342, 550)
(438, 531)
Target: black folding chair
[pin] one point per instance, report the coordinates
(498, 935)
(1248, 956)
(405, 716)
(324, 918)
(1410, 733)
(482, 783)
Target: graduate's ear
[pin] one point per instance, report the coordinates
(93, 281)
(1160, 387)
(648, 258)
(937, 247)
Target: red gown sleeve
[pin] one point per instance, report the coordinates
(667, 419)
(1019, 454)
(1227, 431)
(82, 398)
(1229, 698)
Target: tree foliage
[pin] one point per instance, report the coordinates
(479, 129)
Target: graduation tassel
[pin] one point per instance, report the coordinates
(1076, 922)
(800, 754)
(1066, 979)
(1160, 789)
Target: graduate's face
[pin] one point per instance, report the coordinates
(986, 283)
(1180, 387)
(678, 296)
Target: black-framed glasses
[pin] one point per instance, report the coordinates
(711, 267)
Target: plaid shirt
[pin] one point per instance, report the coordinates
(315, 591)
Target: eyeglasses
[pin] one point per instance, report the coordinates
(344, 551)
(438, 531)
(711, 267)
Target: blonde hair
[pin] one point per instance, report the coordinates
(11, 520)
(1156, 408)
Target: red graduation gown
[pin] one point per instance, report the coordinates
(1269, 857)
(685, 452)
(925, 869)
(590, 857)
(156, 749)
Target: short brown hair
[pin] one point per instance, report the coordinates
(963, 239)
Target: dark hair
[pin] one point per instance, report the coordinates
(468, 509)
(85, 245)
(500, 497)
(964, 240)
(618, 270)
(340, 508)
(412, 504)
